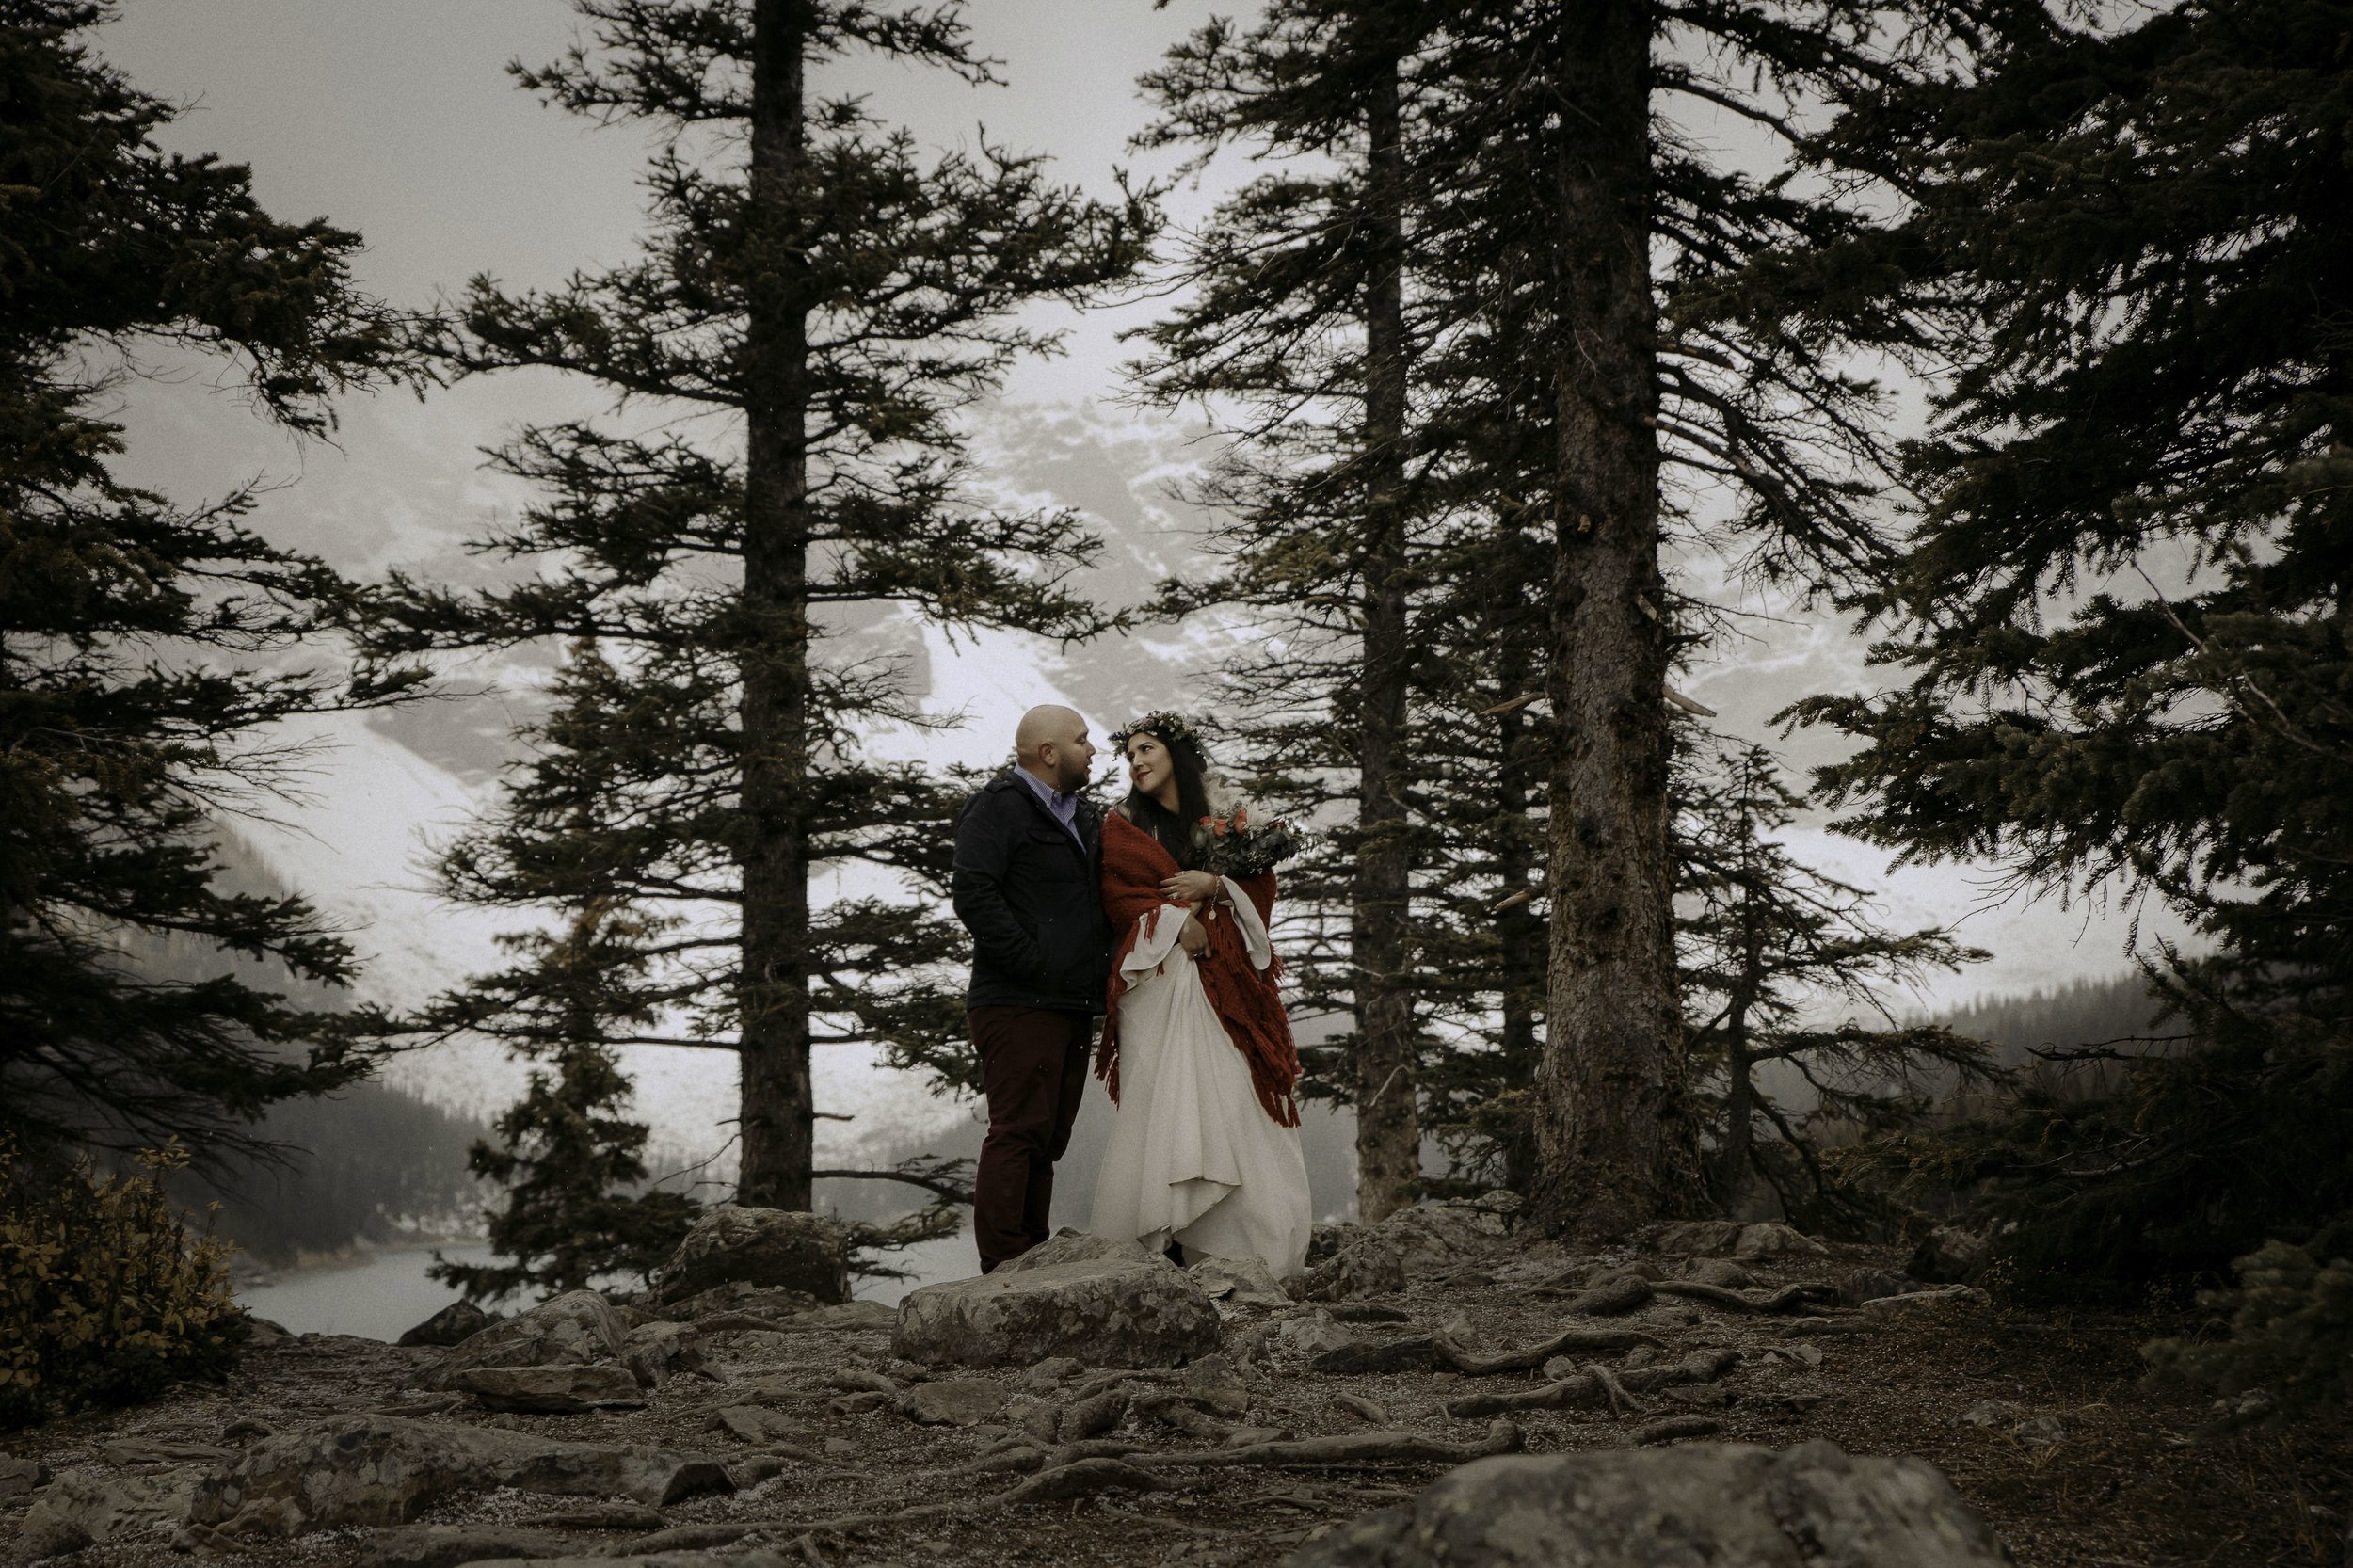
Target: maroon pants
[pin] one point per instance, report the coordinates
(1033, 1068)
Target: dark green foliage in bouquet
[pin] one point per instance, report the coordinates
(105, 1298)
(2291, 1328)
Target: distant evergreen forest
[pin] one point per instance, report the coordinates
(2082, 1013)
(367, 1163)
(373, 1164)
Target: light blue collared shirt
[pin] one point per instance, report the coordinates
(1064, 807)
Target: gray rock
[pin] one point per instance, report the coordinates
(382, 1469)
(1770, 1240)
(1105, 1311)
(953, 1403)
(750, 1423)
(1214, 1382)
(1078, 1246)
(748, 1301)
(572, 1330)
(20, 1475)
(263, 1333)
(451, 1545)
(1700, 1237)
(1379, 1259)
(770, 1248)
(1948, 1254)
(1722, 1273)
(848, 1318)
(1053, 1372)
(1993, 1413)
(653, 1560)
(1727, 1505)
(1870, 1285)
(2041, 1428)
(552, 1390)
(654, 1351)
(129, 1452)
(454, 1324)
(1238, 1282)
(1326, 1239)
(1313, 1334)
(77, 1509)
(1941, 1298)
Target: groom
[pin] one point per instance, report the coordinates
(1027, 886)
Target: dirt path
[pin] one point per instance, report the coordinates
(2038, 1419)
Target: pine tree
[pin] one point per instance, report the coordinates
(1299, 332)
(815, 306)
(1771, 951)
(565, 1155)
(1671, 319)
(147, 644)
(2123, 624)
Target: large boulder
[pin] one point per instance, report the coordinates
(571, 1330)
(454, 1324)
(384, 1469)
(1380, 1259)
(1107, 1302)
(552, 1390)
(78, 1510)
(1728, 1505)
(768, 1248)
(1948, 1254)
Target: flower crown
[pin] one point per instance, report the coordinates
(1168, 725)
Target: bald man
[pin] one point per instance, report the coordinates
(1027, 886)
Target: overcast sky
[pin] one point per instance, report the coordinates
(395, 117)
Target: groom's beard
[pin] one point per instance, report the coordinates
(1073, 780)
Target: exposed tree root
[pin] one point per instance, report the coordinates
(1363, 1447)
(1585, 1341)
(1079, 1478)
(1594, 1386)
(1619, 1296)
(1789, 1299)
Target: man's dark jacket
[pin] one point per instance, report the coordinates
(1032, 898)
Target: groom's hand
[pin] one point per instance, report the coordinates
(1193, 937)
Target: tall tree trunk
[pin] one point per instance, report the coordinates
(1388, 1122)
(1612, 1129)
(778, 1117)
(1521, 940)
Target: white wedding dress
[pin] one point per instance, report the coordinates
(1194, 1156)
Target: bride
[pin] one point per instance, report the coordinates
(1196, 1050)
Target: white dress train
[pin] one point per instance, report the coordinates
(1194, 1156)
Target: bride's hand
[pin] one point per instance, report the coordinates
(1193, 937)
(1192, 888)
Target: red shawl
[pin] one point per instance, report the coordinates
(1244, 998)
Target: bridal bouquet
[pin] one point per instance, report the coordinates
(1238, 842)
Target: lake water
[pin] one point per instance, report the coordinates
(384, 1293)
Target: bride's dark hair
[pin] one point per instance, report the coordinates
(1174, 829)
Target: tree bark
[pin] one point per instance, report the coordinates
(1614, 1133)
(1521, 939)
(1388, 1122)
(778, 1120)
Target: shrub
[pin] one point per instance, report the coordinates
(105, 1298)
(2291, 1330)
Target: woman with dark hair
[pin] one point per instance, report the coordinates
(1196, 1048)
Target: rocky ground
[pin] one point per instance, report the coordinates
(746, 1423)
